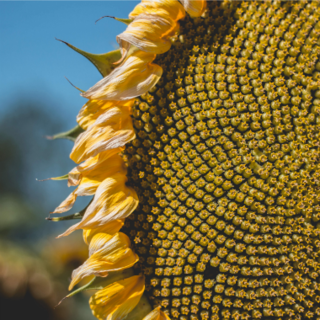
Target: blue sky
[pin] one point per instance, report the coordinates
(33, 63)
(32, 69)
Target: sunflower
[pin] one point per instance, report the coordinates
(200, 146)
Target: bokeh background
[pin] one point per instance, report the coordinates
(37, 101)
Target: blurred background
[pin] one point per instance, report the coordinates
(37, 101)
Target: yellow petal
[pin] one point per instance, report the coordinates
(168, 9)
(89, 180)
(90, 112)
(149, 33)
(95, 166)
(108, 228)
(112, 129)
(195, 8)
(113, 200)
(107, 253)
(156, 314)
(134, 77)
(115, 301)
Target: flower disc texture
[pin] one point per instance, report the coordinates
(214, 113)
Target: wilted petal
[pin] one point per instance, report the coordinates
(115, 301)
(67, 204)
(107, 253)
(113, 129)
(113, 200)
(195, 8)
(134, 77)
(168, 9)
(156, 314)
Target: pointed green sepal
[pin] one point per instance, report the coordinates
(65, 177)
(70, 217)
(77, 291)
(77, 215)
(125, 21)
(85, 287)
(100, 283)
(69, 135)
(103, 62)
(74, 85)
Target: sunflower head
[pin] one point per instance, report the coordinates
(202, 146)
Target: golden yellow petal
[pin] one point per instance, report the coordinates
(168, 9)
(107, 253)
(156, 314)
(90, 112)
(115, 301)
(96, 166)
(195, 8)
(113, 129)
(89, 180)
(108, 228)
(149, 33)
(134, 77)
(113, 200)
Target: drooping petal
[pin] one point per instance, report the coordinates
(89, 180)
(135, 76)
(168, 9)
(115, 301)
(156, 314)
(149, 33)
(112, 129)
(107, 253)
(195, 8)
(113, 200)
(90, 112)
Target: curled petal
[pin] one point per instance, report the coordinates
(115, 301)
(90, 180)
(113, 200)
(134, 77)
(113, 129)
(156, 314)
(93, 109)
(107, 253)
(195, 8)
(168, 9)
(148, 33)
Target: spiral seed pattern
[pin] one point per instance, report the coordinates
(226, 166)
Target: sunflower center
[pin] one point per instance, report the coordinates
(225, 164)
